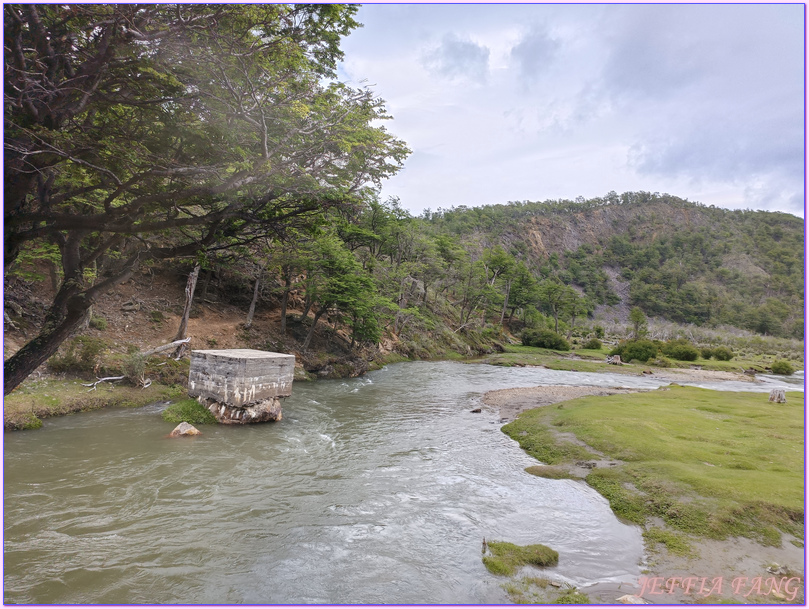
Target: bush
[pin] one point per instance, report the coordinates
(189, 411)
(593, 343)
(681, 349)
(723, 354)
(99, 323)
(81, 355)
(547, 339)
(661, 362)
(706, 352)
(641, 350)
(782, 367)
(599, 331)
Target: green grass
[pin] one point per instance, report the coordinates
(549, 471)
(33, 401)
(594, 361)
(537, 440)
(675, 543)
(572, 597)
(507, 557)
(189, 411)
(709, 463)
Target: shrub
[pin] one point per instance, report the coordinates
(681, 349)
(593, 343)
(189, 411)
(547, 339)
(641, 350)
(133, 366)
(723, 354)
(661, 362)
(782, 367)
(706, 352)
(81, 355)
(599, 331)
(99, 323)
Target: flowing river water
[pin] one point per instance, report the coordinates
(378, 489)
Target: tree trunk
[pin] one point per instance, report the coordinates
(312, 330)
(307, 305)
(284, 301)
(252, 310)
(189, 297)
(57, 328)
(69, 309)
(54, 275)
(505, 302)
(205, 284)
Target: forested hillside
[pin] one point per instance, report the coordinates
(373, 279)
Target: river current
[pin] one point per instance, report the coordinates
(378, 489)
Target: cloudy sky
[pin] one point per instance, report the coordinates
(532, 102)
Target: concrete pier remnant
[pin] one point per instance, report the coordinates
(241, 385)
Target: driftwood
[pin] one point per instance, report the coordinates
(778, 396)
(189, 298)
(110, 379)
(173, 345)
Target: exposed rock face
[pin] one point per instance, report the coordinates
(185, 429)
(260, 412)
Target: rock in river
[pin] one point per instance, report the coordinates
(185, 429)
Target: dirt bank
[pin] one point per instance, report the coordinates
(512, 402)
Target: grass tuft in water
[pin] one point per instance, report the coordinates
(189, 411)
(507, 557)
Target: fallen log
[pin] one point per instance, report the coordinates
(172, 345)
(105, 379)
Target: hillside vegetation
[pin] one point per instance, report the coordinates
(373, 282)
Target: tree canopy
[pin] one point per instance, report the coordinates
(140, 132)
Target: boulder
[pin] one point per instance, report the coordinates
(185, 429)
(631, 599)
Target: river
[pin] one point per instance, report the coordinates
(378, 489)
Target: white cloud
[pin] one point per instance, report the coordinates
(505, 102)
(455, 58)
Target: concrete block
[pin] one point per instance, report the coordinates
(240, 377)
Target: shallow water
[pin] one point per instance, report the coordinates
(371, 490)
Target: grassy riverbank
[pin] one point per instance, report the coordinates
(693, 465)
(36, 400)
(593, 360)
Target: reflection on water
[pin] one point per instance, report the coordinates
(371, 490)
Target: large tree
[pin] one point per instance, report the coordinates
(141, 132)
